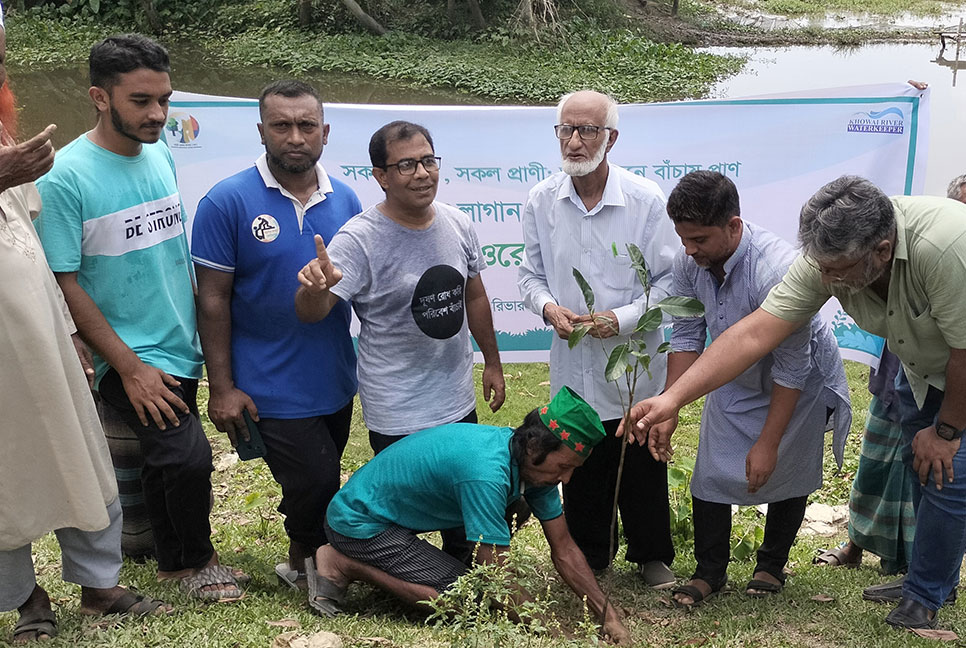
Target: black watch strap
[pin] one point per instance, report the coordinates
(948, 432)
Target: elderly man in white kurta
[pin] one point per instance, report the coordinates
(573, 219)
(762, 435)
(55, 470)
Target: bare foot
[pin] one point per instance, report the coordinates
(327, 563)
(37, 604)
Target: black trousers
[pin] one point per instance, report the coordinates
(643, 503)
(454, 540)
(305, 457)
(176, 476)
(712, 538)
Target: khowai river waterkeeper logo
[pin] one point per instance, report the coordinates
(890, 121)
(184, 129)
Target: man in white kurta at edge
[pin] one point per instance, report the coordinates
(573, 219)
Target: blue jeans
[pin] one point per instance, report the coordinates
(940, 541)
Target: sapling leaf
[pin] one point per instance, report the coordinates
(664, 347)
(616, 363)
(640, 266)
(613, 247)
(585, 289)
(681, 306)
(650, 320)
(576, 335)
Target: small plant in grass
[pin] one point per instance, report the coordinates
(679, 494)
(628, 361)
(479, 606)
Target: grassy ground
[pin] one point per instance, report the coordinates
(248, 534)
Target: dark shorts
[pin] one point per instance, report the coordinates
(401, 553)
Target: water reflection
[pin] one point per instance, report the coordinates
(789, 69)
(60, 95)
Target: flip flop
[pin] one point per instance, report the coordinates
(697, 597)
(324, 595)
(292, 577)
(764, 588)
(837, 557)
(40, 621)
(212, 575)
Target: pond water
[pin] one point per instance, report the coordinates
(788, 69)
(60, 95)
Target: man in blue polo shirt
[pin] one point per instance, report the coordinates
(252, 233)
(424, 482)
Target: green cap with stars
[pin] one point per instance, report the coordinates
(573, 421)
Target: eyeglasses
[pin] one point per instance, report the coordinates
(836, 274)
(408, 165)
(586, 131)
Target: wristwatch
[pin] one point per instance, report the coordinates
(948, 432)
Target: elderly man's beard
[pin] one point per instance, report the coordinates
(588, 166)
(854, 286)
(8, 113)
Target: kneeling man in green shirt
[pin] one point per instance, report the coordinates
(459, 475)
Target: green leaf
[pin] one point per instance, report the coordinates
(639, 265)
(664, 348)
(616, 363)
(650, 320)
(613, 247)
(676, 477)
(642, 357)
(681, 306)
(95, 5)
(577, 335)
(585, 289)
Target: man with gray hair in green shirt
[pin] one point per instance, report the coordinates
(898, 267)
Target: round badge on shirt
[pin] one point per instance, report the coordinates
(438, 302)
(265, 228)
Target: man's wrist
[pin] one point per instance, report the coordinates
(948, 432)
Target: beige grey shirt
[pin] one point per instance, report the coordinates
(924, 315)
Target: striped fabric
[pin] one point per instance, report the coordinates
(881, 516)
(137, 540)
(401, 553)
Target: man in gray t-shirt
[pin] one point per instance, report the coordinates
(411, 267)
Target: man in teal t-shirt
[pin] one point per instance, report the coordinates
(113, 232)
(458, 475)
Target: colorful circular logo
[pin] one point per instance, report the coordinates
(183, 127)
(265, 228)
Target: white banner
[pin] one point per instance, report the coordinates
(778, 149)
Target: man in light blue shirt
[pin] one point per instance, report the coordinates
(762, 434)
(571, 220)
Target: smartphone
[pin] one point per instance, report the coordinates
(254, 447)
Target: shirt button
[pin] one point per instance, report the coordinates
(912, 364)
(720, 317)
(720, 303)
(891, 312)
(901, 341)
(926, 376)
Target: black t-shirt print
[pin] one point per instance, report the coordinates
(438, 302)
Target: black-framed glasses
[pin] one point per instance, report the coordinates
(586, 131)
(408, 166)
(837, 274)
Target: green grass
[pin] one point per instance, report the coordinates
(248, 534)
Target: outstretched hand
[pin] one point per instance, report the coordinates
(319, 274)
(644, 415)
